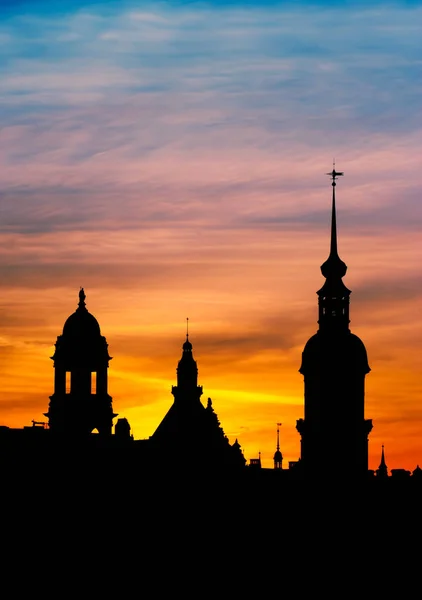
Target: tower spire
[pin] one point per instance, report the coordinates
(334, 174)
(382, 470)
(334, 295)
(278, 457)
(334, 266)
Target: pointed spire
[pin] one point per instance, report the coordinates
(278, 457)
(334, 267)
(382, 463)
(382, 470)
(334, 296)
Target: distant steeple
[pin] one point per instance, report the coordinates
(278, 457)
(334, 295)
(187, 346)
(382, 470)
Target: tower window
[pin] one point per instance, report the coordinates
(68, 387)
(93, 383)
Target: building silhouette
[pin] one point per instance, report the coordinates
(334, 431)
(80, 435)
(190, 434)
(81, 402)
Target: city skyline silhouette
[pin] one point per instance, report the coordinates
(177, 172)
(334, 430)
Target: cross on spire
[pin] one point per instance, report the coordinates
(278, 435)
(334, 174)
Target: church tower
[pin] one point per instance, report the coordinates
(80, 402)
(334, 431)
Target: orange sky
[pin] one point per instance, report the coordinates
(250, 297)
(179, 172)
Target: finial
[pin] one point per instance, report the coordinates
(278, 435)
(187, 327)
(334, 174)
(81, 298)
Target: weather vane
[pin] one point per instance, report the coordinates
(334, 174)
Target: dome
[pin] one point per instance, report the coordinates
(340, 350)
(81, 323)
(278, 457)
(187, 346)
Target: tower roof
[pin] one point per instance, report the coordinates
(278, 457)
(81, 323)
(187, 346)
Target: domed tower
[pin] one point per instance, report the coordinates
(81, 402)
(334, 432)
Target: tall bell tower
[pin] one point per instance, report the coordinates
(80, 402)
(334, 431)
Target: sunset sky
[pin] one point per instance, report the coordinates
(170, 158)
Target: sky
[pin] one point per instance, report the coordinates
(171, 158)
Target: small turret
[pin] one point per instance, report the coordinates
(278, 457)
